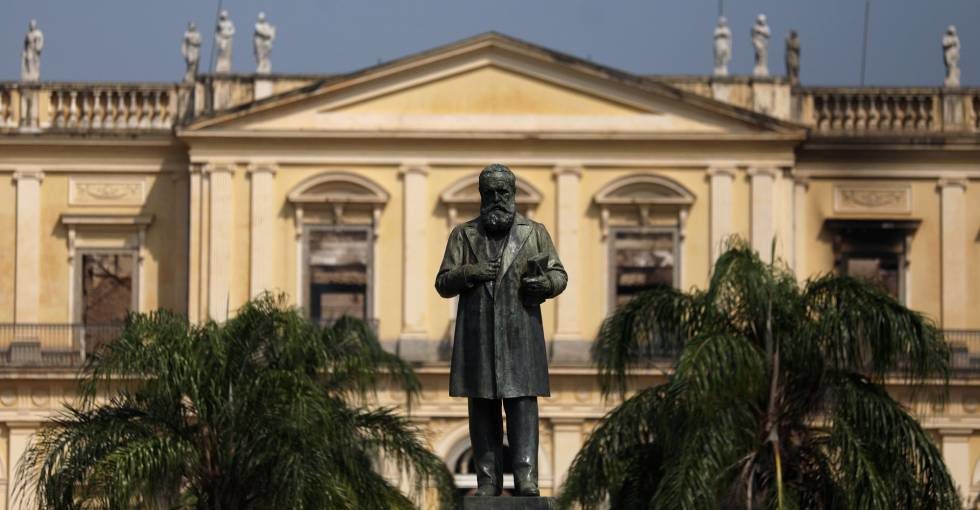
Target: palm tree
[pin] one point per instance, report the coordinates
(776, 399)
(267, 410)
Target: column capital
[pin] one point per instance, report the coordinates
(32, 174)
(219, 167)
(414, 168)
(567, 169)
(255, 167)
(952, 182)
(722, 171)
(802, 181)
(764, 171)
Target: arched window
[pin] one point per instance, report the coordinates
(643, 218)
(337, 216)
(462, 199)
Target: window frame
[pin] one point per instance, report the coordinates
(79, 278)
(305, 268)
(675, 232)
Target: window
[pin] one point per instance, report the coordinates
(338, 269)
(641, 258)
(108, 285)
(874, 251)
(642, 217)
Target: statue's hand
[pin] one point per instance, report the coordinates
(536, 286)
(481, 271)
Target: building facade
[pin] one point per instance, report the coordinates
(340, 191)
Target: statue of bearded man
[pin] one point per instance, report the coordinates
(502, 266)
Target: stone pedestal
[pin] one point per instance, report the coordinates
(508, 503)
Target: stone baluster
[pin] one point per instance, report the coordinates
(898, 122)
(132, 113)
(874, 113)
(158, 120)
(4, 107)
(85, 109)
(120, 110)
(861, 118)
(145, 109)
(98, 111)
(72, 108)
(55, 109)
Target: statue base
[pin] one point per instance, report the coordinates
(508, 503)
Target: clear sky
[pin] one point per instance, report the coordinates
(139, 40)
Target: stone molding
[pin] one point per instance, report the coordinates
(729, 170)
(763, 171)
(36, 175)
(262, 167)
(947, 182)
(413, 169)
(568, 169)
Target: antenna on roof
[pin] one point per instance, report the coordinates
(721, 8)
(864, 48)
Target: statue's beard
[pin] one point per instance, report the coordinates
(497, 218)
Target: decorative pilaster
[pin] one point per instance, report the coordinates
(762, 234)
(956, 454)
(28, 238)
(194, 235)
(721, 178)
(568, 240)
(261, 226)
(954, 255)
(416, 275)
(800, 186)
(18, 439)
(567, 436)
(220, 239)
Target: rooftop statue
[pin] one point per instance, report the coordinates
(723, 47)
(502, 266)
(190, 48)
(760, 42)
(223, 34)
(30, 68)
(265, 34)
(951, 57)
(793, 58)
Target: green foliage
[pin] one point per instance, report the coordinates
(264, 411)
(776, 399)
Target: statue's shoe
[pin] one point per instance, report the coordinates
(527, 489)
(487, 490)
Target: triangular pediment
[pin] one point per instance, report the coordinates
(490, 84)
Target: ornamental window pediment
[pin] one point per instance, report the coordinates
(641, 200)
(338, 198)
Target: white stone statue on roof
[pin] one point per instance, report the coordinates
(265, 34)
(223, 34)
(951, 57)
(190, 48)
(723, 47)
(760, 42)
(30, 68)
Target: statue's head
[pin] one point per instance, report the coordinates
(223, 15)
(32, 24)
(951, 30)
(191, 26)
(261, 17)
(722, 21)
(793, 34)
(760, 19)
(498, 198)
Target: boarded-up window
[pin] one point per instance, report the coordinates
(107, 287)
(877, 257)
(641, 259)
(338, 267)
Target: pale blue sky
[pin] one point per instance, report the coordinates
(128, 40)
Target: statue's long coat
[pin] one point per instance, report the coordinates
(498, 348)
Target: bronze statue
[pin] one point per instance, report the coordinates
(502, 266)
